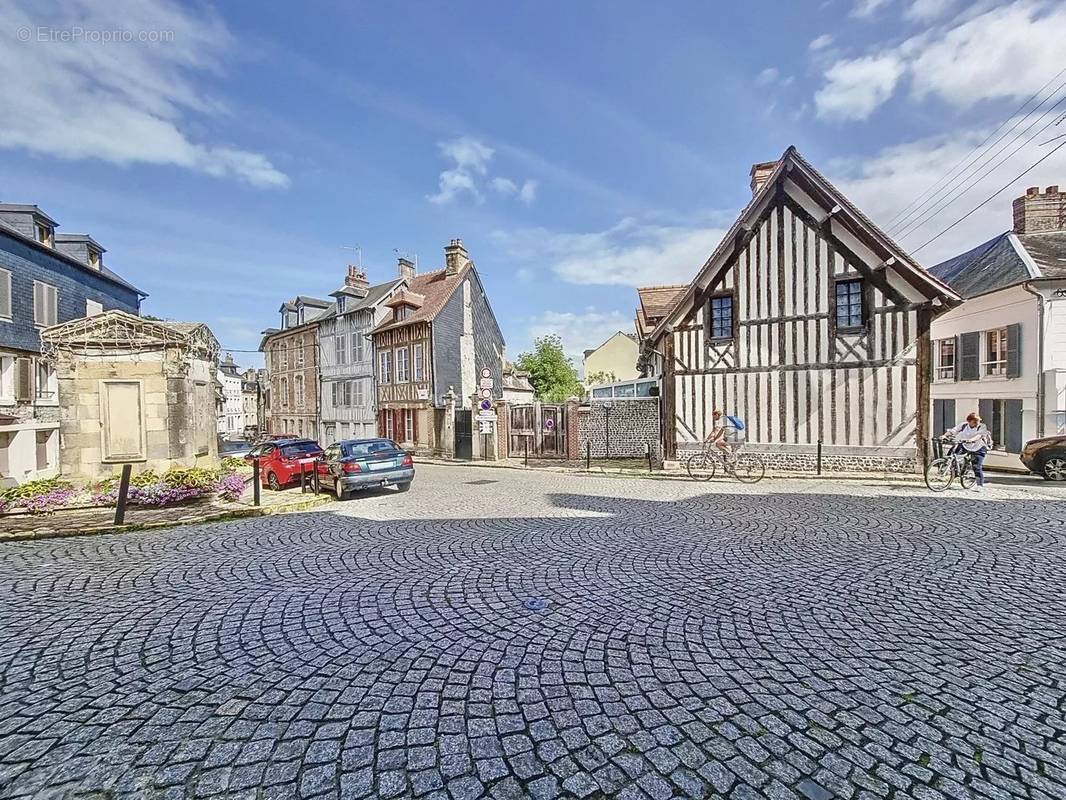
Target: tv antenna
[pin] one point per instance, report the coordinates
(412, 257)
(358, 249)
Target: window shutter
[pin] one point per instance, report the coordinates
(1014, 353)
(969, 358)
(38, 303)
(984, 408)
(53, 304)
(943, 415)
(24, 380)
(955, 370)
(414, 425)
(1012, 410)
(5, 293)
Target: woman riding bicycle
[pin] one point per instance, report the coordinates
(974, 438)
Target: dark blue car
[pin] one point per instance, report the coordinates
(356, 464)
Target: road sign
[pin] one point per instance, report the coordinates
(486, 416)
(549, 424)
(486, 393)
(485, 427)
(486, 372)
(486, 405)
(487, 383)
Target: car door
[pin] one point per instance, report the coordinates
(329, 466)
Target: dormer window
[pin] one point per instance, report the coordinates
(340, 304)
(300, 315)
(45, 234)
(94, 259)
(402, 313)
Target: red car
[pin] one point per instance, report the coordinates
(281, 461)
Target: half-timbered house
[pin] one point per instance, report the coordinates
(430, 352)
(810, 324)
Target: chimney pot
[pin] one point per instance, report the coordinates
(405, 269)
(455, 257)
(1051, 190)
(1032, 190)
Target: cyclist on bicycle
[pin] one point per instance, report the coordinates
(974, 438)
(726, 433)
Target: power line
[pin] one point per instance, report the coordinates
(988, 199)
(951, 190)
(976, 149)
(975, 177)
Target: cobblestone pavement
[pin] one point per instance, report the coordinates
(508, 634)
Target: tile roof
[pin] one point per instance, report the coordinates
(655, 303)
(436, 287)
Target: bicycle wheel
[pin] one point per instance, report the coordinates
(749, 469)
(939, 474)
(968, 478)
(700, 467)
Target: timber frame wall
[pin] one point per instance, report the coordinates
(787, 370)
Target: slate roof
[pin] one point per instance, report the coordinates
(436, 287)
(1005, 260)
(374, 295)
(103, 271)
(28, 208)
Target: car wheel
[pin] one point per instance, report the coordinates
(1055, 468)
(403, 487)
(342, 493)
(273, 482)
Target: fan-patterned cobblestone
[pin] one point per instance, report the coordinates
(698, 641)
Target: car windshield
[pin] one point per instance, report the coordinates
(370, 447)
(300, 449)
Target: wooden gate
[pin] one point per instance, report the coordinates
(464, 434)
(541, 428)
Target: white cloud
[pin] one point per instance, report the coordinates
(123, 102)
(887, 182)
(856, 87)
(864, 9)
(767, 76)
(582, 330)
(927, 10)
(821, 42)
(528, 193)
(1005, 52)
(631, 253)
(470, 165)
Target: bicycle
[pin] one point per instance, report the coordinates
(745, 467)
(943, 470)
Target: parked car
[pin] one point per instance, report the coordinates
(357, 464)
(282, 460)
(1046, 457)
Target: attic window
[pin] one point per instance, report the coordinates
(94, 259)
(403, 312)
(340, 304)
(44, 234)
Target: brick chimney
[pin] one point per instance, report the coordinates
(759, 175)
(406, 269)
(455, 257)
(356, 279)
(1040, 212)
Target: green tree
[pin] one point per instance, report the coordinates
(550, 370)
(602, 376)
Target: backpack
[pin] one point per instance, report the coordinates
(736, 422)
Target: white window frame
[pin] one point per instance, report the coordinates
(390, 424)
(340, 348)
(298, 389)
(995, 367)
(419, 359)
(55, 304)
(46, 384)
(358, 348)
(385, 366)
(403, 365)
(7, 380)
(408, 425)
(5, 279)
(946, 373)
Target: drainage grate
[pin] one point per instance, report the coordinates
(535, 603)
(479, 483)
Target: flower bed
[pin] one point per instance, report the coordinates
(175, 486)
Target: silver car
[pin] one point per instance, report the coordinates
(355, 464)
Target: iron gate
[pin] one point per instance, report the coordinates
(464, 438)
(541, 428)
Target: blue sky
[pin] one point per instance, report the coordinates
(579, 149)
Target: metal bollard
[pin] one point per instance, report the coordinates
(526, 440)
(649, 457)
(123, 493)
(819, 461)
(256, 482)
(588, 455)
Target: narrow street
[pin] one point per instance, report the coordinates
(509, 634)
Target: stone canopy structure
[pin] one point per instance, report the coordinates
(133, 390)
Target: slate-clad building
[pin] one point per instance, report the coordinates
(441, 333)
(46, 278)
(1002, 353)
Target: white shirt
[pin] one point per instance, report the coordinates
(972, 438)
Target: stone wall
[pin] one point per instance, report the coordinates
(625, 430)
(833, 459)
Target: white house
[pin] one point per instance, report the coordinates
(1002, 353)
(809, 323)
(231, 416)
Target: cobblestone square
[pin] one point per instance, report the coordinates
(497, 633)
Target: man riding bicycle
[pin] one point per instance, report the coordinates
(726, 433)
(974, 438)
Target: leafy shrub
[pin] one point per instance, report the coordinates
(191, 478)
(39, 497)
(230, 488)
(231, 464)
